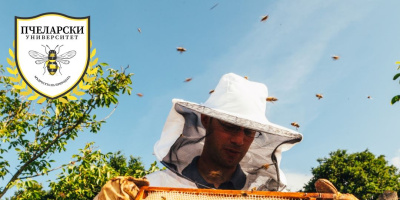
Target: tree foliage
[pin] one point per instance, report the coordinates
(34, 133)
(361, 174)
(82, 178)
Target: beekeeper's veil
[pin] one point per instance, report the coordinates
(238, 101)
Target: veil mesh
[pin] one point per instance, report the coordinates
(260, 164)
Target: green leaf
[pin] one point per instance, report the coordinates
(396, 76)
(395, 99)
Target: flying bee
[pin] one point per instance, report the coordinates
(180, 49)
(272, 99)
(52, 61)
(319, 96)
(295, 124)
(335, 57)
(188, 80)
(264, 18)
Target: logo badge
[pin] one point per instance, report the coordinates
(52, 52)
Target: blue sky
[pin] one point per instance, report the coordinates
(290, 52)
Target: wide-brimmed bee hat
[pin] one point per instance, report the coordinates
(238, 101)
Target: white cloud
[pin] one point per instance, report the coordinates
(297, 181)
(396, 160)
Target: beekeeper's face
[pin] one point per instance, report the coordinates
(225, 144)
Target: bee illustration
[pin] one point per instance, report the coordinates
(52, 61)
(295, 124)
(319, 96)
(272, 99)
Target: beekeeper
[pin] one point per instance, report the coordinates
(225, 143)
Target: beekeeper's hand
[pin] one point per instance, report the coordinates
(325, 186)
(121, 188)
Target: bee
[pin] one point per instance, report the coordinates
(139, 30)
(266, 166)
(180, 49)
(188, 79)
(335, 57)
(214, 6)
(319, 96)
(52, 62)
(139, 94)
(272, 99)
(369, 97)
(295, 124)
(264, 18)
(246, 77)
(211, 91)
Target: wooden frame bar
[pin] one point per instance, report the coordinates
(239, 193)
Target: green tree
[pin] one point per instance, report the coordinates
(82, 178)
(35, 135)
(134, 167)
(362, 174)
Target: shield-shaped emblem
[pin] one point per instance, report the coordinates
(52, 52)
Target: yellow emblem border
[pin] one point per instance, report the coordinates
(23, 89)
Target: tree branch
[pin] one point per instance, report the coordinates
(21, 169)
